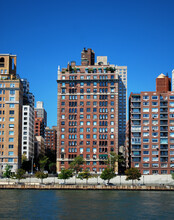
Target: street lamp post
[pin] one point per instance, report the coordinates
(32, 165)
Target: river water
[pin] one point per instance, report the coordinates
(57, 204)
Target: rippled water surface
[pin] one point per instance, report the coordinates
(52, 204)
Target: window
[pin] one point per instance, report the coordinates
(88, 149)
(62, 136)
(11, 119)
(146, 152)
(82, 84)
(12, 92)
(11, 105)
(11, 139)
(146, 171)
(145, 97)
(154, 109)
(145, 140)
(145, 158)
(10, 153)
(145, 109)
(154, 97)
(11, 132)
(145, 103)
(10, 146)
(10, 160)
(12, 85)
(12, 98)
(94, 116)
(94, 136)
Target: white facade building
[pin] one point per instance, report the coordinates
(27, 122)
(28, 131)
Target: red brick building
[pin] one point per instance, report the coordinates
(51, 139)
(151, 129)
(39, 126)
(87, 113)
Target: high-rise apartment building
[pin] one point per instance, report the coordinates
(39, 126)
(27, 121)
(40, 112)
(91, 112)
(11, 101)
(151, 129)
(51, 139)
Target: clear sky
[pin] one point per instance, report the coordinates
(44, 34)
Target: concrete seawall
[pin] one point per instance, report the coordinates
(85, 187)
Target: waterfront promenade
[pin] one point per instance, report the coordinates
(148, 182)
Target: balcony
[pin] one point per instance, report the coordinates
(136, 117)
(163, 123)
(164, 165)
(136, 155)
(163, 117)
(164, 110)
(136, 129)
(135, 100)
(134, 142)
(164, 159)
(163, 148)
(163, 104)
(163, 140)
(164, 154)
(135, 105)
(136, 111)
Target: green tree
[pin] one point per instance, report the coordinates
(20, 174)
(76, 164)
(108, 174)
(52, 167)
(65, 174)
(132, 174)
(41, 175)
(85, 175)
(42, 162)
(7, 173)
(172, 176)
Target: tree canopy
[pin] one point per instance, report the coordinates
(65, 174)
(108, 174)
(41, 175)
(42, 162)
(20, 174)
(76, 164)
(132, 174)
(7, 173)
(84, 175)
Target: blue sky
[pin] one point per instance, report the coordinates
(44, 34)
